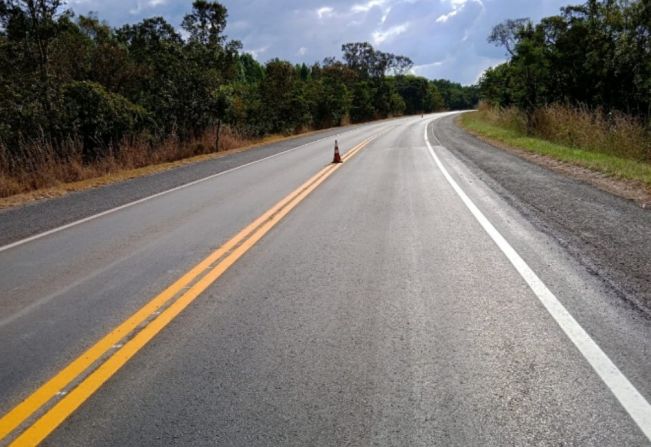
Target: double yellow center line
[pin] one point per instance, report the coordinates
(47, 407)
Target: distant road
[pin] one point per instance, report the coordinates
(427, 291)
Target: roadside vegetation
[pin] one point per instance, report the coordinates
(80, 99)
(576, 87)
(580, 139)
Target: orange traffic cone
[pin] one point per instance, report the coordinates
(337, 158)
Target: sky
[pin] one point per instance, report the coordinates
(444, 38)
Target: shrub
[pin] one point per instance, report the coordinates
(98, 117)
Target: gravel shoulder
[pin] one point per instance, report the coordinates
(607, 234)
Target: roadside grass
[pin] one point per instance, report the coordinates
(51, 177)
(611, 165)
(48, 175)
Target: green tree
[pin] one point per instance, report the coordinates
(283, 98)
(414, 91)
(251, 71)
(336, 102)
(597, 53)
(206, 23)
(362, 102)
(30, 27)
(433, 101)
(99, 117)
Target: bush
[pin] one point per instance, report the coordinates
(98, 117)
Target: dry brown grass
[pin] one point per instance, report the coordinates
(614, 133)
(579, 127)
(508, 117)
(38, 166)
(134, 162)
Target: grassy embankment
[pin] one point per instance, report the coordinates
(616, 145)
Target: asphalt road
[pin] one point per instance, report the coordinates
(379, 311)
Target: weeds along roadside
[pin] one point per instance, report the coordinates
(37, 164)
(577, 127)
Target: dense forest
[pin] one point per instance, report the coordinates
(74, 87)
(595, 55)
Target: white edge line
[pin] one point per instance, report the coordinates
(627, 395)
(162, 193)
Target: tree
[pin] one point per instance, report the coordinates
(596, 54)
(206, 23)
(30, 27)
(433, 101)
(400, 65)
(413, 91)
(283, 98)
(251, 71)
(368, 62)
(360, 57)
(335, 104)
(455, 96)
(507, 33)
(108, 59)
(362, 102)
(99, 117)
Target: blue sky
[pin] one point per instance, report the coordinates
(444, 38)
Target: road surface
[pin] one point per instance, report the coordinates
(396, 299)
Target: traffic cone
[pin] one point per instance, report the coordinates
(337, 158)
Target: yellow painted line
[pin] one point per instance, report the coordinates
(47, 391)
(351, 152)
(233, 250)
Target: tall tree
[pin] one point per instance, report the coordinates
(206, 23)
(30, 27)
(507, 34)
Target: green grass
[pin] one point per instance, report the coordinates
(610, 165)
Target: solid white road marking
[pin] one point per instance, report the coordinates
(162, 193)
(630, 398)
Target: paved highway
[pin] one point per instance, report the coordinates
(396, 299)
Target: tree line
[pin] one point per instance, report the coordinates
(65, 78)
(595, 55)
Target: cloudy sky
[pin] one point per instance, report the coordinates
(444, 38)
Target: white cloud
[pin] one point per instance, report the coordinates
(324, 11)
(419, 69)
(445, 17)
(257, 52)
(365, 7)
(457, 7)
(140, 5)
(456, 4)
(380, 37)
(385, 15)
